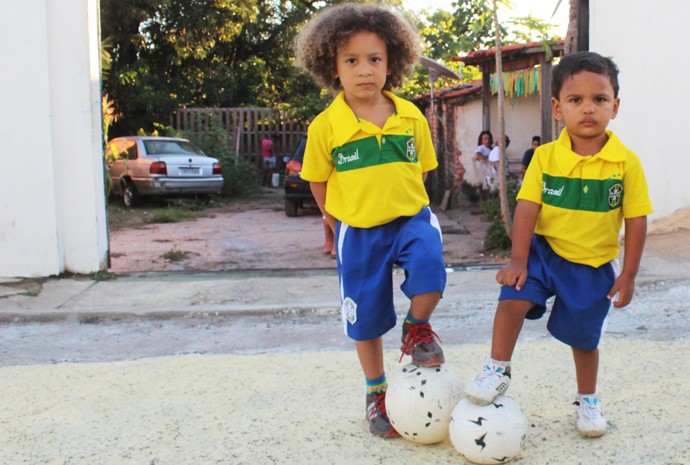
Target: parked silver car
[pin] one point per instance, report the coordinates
(145, 166)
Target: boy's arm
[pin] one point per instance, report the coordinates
(515, 273)
(319, 191)
(635, 234)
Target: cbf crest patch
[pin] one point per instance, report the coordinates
(615, 195)
(349, 309)
(411, 152)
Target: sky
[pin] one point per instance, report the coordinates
(541, 9)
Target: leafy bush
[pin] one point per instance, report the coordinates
(241, 178)
(496, 236)
(491, 207)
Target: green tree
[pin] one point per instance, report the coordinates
(448, 33)
(469, 26)
(171, 54)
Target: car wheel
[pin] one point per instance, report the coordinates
(203, 198)
(291, 208)
(130, 196)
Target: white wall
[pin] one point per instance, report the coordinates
(522, 122)
(647, 45)
(52, 206)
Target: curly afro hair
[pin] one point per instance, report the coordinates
(317, 44)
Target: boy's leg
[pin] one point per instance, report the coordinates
(508, 321)
(586, 368)
(418, 249)
(513, 307)
(418, 339)
(590, 418)
(423, 305)
(494, 379)
(368, 312)
(370, 355)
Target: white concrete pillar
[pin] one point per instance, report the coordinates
(52, 207)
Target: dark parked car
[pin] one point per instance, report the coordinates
(148, 166)
(297, 190)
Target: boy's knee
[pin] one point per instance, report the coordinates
(524, 308)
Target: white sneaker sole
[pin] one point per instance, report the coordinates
(592, 433)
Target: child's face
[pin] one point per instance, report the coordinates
(586, 104)
(362, 66)
(486, 140)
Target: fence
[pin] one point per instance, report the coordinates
(246, 126)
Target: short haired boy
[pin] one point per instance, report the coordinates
(366, 158)
(529, 153)
(575, 196)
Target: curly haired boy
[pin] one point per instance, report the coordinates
(366, 160)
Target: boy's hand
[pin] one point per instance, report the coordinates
(625, 288)
(512, 274)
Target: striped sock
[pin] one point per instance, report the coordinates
(377, 385)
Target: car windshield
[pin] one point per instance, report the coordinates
(181, 147)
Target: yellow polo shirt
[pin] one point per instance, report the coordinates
(374, 174)
(585, 199)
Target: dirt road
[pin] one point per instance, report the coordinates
(257, 235)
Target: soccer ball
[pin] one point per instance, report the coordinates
(419, 402)
(493, 433)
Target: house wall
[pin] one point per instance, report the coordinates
(52, 206)
(522, 122)
(653, 118)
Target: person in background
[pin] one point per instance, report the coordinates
(495, 154)
(366, 160)
(485, 141)
(529, 153)
(493, 161)
(269, 157)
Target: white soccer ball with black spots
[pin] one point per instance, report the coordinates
(488, 434)
(420, 400)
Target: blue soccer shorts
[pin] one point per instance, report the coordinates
(366, 257)
(580, 306)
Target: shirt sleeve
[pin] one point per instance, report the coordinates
(636, 201)
(425, 146)
(318, 164)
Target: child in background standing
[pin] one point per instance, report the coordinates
(575, 195)
(366, 159)
(484, 143)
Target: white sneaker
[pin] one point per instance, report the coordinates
(490, 383)
(590, 419)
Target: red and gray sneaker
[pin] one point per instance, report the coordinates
(419, 341)
(377, 416)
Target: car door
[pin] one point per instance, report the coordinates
(121, 153)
